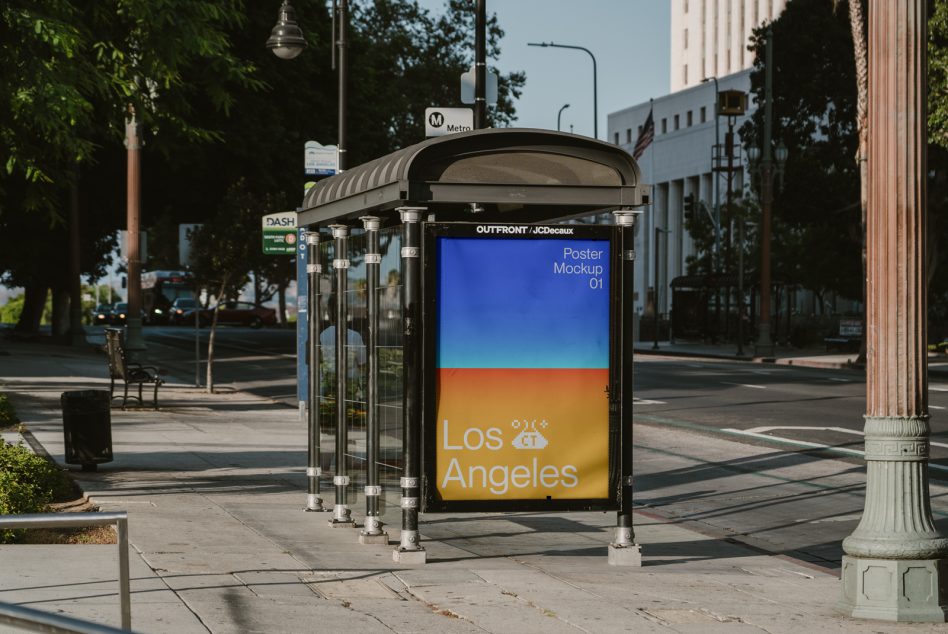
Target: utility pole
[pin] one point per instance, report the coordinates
(134, 341)
(765, 346)
(77, 334)
(480, 66)
(896, 562)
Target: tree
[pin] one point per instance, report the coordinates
(223, 251)
(68, 71)
(817, 224)
(216, 106)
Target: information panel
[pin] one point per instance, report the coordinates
(521, 356)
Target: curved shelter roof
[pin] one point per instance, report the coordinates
(507, 174)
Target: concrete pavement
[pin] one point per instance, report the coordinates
(214, 486)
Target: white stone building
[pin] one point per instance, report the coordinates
(710, 37)
(677, 163)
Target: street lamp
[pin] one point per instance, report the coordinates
(658, 233)
(560, 114)
(764, 346)
(716, 193)
(286, 41)
(595, 89)
(766, 168)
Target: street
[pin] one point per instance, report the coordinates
(786, 407)
(789, 418)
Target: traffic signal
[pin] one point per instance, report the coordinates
(690, 206)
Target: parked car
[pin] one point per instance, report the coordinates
(234, 314)
(102, 315)
(181, 307)
(119, 312)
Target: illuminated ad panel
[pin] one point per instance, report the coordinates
(521, 356)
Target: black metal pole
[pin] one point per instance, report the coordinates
(313, 501)
(340, 263)
(343, 45)
(623, 550)
(480, 66)
(372, 532)
(740, 288)
(655, 299)
(409, 548)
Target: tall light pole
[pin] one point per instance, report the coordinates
(480, 65)
(716, 188)
(286, 41)
(595, 88)
(765, 346)
(134, 341)
(658, 233)
(559, 115)
(714, 184)
(896, 562)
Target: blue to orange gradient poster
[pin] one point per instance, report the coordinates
(522, 357)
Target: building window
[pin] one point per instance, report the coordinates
(640, 130)
(617, 138)
(686, 38)
(664, 126)
(677, 121)
(704, 114)
(628, 135)
(685, 2)
(688, 119)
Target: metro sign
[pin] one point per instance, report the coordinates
(443, 121)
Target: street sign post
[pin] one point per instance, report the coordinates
(467, 87)
(442, 121)
(320, 160)
(279, 233)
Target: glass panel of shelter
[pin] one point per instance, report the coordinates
(390, 370)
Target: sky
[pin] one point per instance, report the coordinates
(629, 38)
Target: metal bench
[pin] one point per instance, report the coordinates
(129, 373)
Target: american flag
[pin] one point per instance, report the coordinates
(645, 137)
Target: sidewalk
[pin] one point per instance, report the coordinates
(214, 486)
(807, 357)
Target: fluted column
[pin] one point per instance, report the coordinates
(895, 563)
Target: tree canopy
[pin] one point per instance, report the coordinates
(217, 108)
(816, 215)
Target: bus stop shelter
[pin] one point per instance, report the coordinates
(369, 337)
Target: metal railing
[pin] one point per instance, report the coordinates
(37, 621)
(74, 520)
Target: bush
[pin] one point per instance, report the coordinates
(28, 483)
(8, 416)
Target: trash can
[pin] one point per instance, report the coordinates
(87, 427)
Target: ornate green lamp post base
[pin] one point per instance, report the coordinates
(895, 589)
(896, 562)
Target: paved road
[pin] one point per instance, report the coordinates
(756, 492)
(792, 406)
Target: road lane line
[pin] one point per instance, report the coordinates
(938, 388)
(841, 430)
(756, 387)
(935, 407)
(644, 401)
(816, 445)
